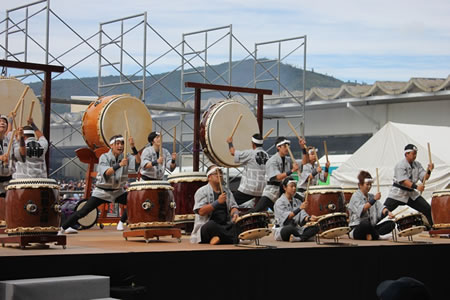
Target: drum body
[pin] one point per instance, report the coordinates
(2, 212)
(324, 199)
(410, 224)
(216, 125)
(32, 207)
(333, 225)
(440, 209)
(105, 118)
(184, 187)
(150, 205)
(348, 193)
(253, 226)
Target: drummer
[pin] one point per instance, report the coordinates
(5, 166)
(153, 164)
(311, 171)
(290, 216)
(278, 167)
(215, 212)
(254, 163)
(29, 153)
(366, 211)
(112, 175)
(405, 189)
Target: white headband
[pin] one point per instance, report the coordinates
(284, 142)
(410, 150)
(214, 169)
(116, 139)
(28, 131)
(311, 151)
(368, 180)
(256, 141)
(291, 181)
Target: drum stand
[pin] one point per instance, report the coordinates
(410, 239)
(256, 245)
(335, 242)
(25, 240)
(153, 232)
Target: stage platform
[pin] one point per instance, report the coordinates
(347, 270)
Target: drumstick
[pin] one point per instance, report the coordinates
(268, 133)
(174, 139)
(126, 122)
(31, 109)
(21, 112)
(220, 182)
(292, 158)
(293, 129)
(326, 149)
(236, 125)
(125, 144)
(160, 145)
(396, 214)
(378, 181)
(315, 154)
(429, 159)
(21, 99)
(307, 189)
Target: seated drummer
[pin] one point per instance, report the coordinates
(366, 211)
(254, 163)
(153, 164)
(5, 165)
(215, 212)
(112, 175)
(29, 153)
(278, 167)
(290, 216)
(312, 171)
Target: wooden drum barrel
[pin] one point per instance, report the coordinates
(440, 209)
(324, 199)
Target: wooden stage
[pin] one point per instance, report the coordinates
(349, 270)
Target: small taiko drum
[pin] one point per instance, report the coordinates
(150, 204)
(218, 122)
(333, 225)
(105, 118)
(253, 226)
(324, 199)
(440, 209)
(184, 187)
(410, 224)
(32, 207)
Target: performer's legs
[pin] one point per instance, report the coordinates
(385, 227)
(287, 230)
(122, 199)
(421, 205)
(90, 205)
(392, 204)
(263, 204)
(241, 197)
(226, 233)
(364, 228)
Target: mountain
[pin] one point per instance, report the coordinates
(162, 88)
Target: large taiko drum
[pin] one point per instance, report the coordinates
(216, 125)
(410, 224)
(105, 118)
(440, 209)
(2, 212)
(324, 199)
(184, 187)
(32, 207)
(150, 205)
(333, 225)
(11, 90)
(348, 193)
(253, 226)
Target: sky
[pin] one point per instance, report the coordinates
(363, 41)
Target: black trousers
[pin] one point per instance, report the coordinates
(307, 233)
(364, 228)
(420, 204)
(264, 203)
(90, 205)
(226, 232)
(241, 197)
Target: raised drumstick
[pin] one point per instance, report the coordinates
(293, 129)
(307, 189)
(268, 133)
(378, 181)
(326, 149)
(174, 148)
(31, 109)
(125, 144)
(126, 121)
(315, 154)
(429, 159)
(220, 183)
(236, 125)
(21, 99)
(292, 158)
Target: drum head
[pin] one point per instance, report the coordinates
(254, 234)
(334, 233)
(219, 125)
(412, 231)
(323, 189)
(11, 90)
(90, 219)
(239, 219)
(187, 177)
(445, 192)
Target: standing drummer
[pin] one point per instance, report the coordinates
(311, 171)
(290, 216)
(254, 162)
(365, 211)
(405, 189)
(153, 163)
(29, 153)
(5, 165)
(278, 167)
(216, 212)
(112, 175)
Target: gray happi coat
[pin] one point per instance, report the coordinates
(355, 208)
(155, 172)
(204, 196)
(33, 164)
(274, 166)
(403, 171)
(307, 170)
(282, 208)
(5, 170)
(108, 188)
(253, 176)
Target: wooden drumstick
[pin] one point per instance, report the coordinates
(292, 158)
(430, 161)
(21, 112)
(160, 145)
(378, 181)
(315, 154)
(126, 122)
(326, 149)
(174, 149)
(236, 125)
(125, 144)
(268, 133)
(307, 189)
(220, 182)
(21, 99)
(401, 211)
(31, 109)
(293, 129)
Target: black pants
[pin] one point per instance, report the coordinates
(263, 204)
(226, 232)
(364, 228)
(90, 205)
(307, 233)
(241, 197)
(420, 204)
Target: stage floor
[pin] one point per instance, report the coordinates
(109, 240)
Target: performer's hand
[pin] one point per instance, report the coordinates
(4, 158)
(222, 198)
(12, 114)
(302, 143)
(391, 215)
(294, 167)
(304, 205)
(131, 142)
(30, 121)
(327, 164)
(160, 160)
(20, 133)
(314, 218)
(430, 167)
(229, 139)
(420, 187)
(234, 217)
(377, 196)
(319, 169)
(174, 156)
(123, 162)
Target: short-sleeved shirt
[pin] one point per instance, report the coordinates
(150, 155)
(406, 171)
(253, 176)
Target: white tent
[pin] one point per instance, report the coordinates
(385, 149)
